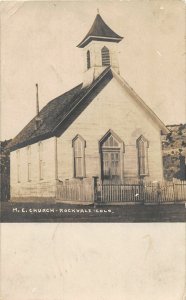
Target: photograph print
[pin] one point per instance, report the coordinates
(93, 111)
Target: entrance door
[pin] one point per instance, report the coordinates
(111, 165)
(111, 151)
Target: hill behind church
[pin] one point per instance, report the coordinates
(174, 152)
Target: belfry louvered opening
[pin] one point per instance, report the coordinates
(105, 56)
(88, 59)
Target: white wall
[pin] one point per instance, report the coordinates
(95, 53)
(36, 186)
(96, 60)
(112, 109)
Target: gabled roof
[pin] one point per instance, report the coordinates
(48, 115)
(59, 113)
(100, 31)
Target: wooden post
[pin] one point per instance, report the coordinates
(141, 190)
(94, 189)
(159, 192)
(174, 189)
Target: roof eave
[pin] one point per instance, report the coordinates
(93, 87)
(29, 141)
(90, 38)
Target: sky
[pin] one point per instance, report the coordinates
(38, 45)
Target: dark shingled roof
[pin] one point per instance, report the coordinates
(100, 31)
(60, 112)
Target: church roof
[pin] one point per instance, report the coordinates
(100, 31)
(57, 112)
(60, 112)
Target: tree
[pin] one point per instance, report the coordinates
(4, 171)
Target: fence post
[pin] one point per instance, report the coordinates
(159, 192)
(174, 189)
(94, 188)
(141, 191)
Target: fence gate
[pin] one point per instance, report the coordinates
(119, 193)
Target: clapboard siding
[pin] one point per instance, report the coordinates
(34, 187)
(112, 109)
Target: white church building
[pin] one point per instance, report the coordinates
(100, 128)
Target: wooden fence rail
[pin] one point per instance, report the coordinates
(147, 192)
(76, 191)
(95, 191)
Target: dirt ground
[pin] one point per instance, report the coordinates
(59, 212)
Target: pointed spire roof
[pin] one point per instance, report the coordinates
(100, 31)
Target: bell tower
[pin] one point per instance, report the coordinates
(100, 47)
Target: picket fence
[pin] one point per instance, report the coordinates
(95, 191)
(75, 191)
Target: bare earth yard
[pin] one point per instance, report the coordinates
(59, 212)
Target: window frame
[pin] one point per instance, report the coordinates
(83, 146)
(120, 148)
(29, 172)
(105, 57)
(18, 165)
(88, 60)
(41, 163)
(143, 164)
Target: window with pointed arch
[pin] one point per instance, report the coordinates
(142, 146)
(88, 59)
(79, 144)
(105, 55)
(111, 154)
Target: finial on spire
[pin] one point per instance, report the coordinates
(98, 11)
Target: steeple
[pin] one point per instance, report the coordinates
(100, 50)
(100, 31)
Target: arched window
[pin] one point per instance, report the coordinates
(111, 153)
(78, 145)
(142, 146)
(105, 55)
(88, 59)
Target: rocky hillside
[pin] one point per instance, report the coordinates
(174, 152)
